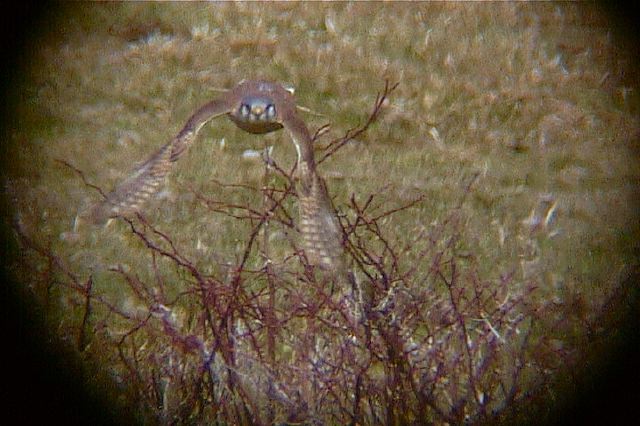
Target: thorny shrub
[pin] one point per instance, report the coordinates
(282, 343)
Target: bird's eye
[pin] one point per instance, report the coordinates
(245, 110)
(270, 112)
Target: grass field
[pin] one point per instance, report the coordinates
(515, 125)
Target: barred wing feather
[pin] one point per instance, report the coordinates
(130, 196)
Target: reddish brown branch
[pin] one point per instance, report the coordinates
(335, 145)
(82, 176)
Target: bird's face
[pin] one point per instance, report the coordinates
(256, 114)
(259, 106)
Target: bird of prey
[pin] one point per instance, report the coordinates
(257, 107)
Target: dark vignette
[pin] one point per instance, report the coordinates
(44, 382)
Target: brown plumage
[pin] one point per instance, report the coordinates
(257, 107)
(319, 226)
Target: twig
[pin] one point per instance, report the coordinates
(335, 145)
(82, 176)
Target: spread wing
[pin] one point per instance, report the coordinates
(319, 227)
(130, 196)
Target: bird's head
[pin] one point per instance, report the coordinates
(259, 106)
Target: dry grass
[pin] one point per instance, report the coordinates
(536, 101)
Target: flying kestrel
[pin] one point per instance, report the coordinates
(257, 107)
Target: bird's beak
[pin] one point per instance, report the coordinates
(257, 110)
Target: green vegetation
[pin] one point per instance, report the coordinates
(534, 106)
